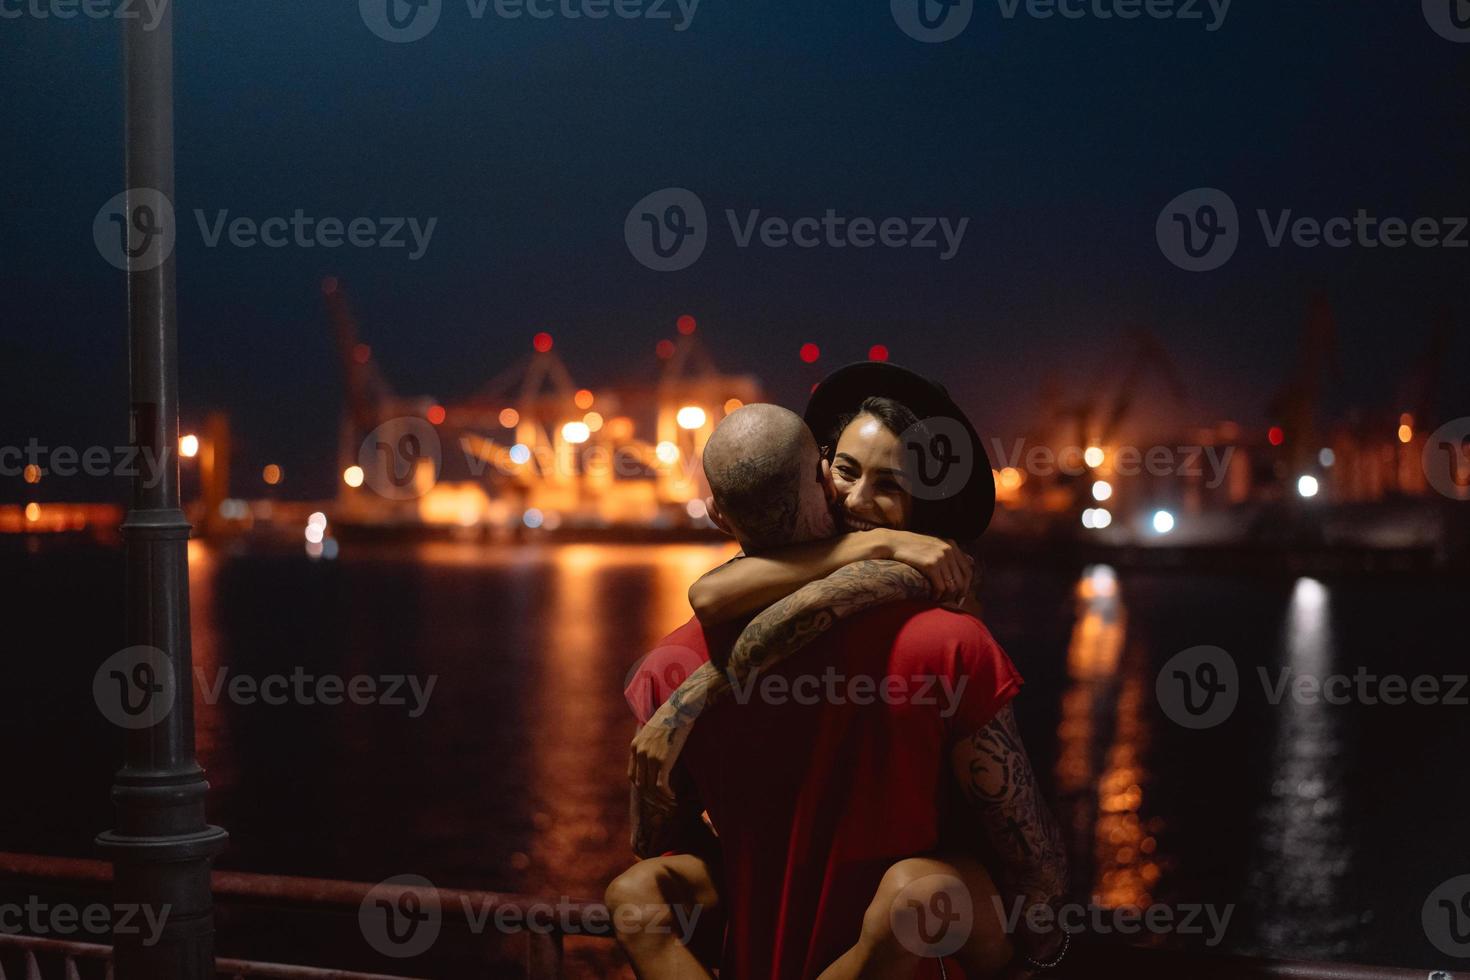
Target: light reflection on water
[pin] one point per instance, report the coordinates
(1303, 855)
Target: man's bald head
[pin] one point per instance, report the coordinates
(764, 471)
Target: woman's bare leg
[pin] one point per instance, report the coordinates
(666, 911)
(925, 907)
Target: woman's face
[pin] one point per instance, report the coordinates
(867, 473)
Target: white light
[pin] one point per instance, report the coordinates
(695, 509)
(1089, 517)
(533, 518)
(189, 446)
(1163, 521)
(520, 453)
(1102, 490)
(317, 520)
(1093, 456)
(314, 533)
(575, 432)
(352, 476)
(667, 453)
(1326, 457)
(1307, 486)
(690, 417)
(1102, 517)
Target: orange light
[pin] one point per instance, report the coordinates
(189, 446)
(733, 404)
(686, 324)
(435, 414)
(583, 399)
(1406, 434)
(593, 421)
(271, 474)
(810, 352)
(33, 512)
(509, 418)
(620, 427)
(878, 352)
(664, 349)
(690, 417)
(32, 473)
(542, 342)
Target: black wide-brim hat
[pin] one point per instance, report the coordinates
(947, 469)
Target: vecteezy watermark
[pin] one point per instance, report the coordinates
(668, 230)
(1446, 917)
(404, 21)
(149, 11)
(304, 231)
(1183, 919)
(43, 920)
(403, 916)
(35, 460)
(137, 687)
(1188, 461)
(1200, 687)
(1450, 19)
(137, 230)
(934, 21)
(939, 457)
(1200, 230)
(1447, 459)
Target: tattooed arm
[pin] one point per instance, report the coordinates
(661, 824)
(997, 782)
(784, 628)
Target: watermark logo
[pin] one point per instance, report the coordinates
(37, 918)
(1446, 917)
(932, 21)
(1450, 19)
(400, 21)
(149, 11)
(667, 230)
(1098, 918)
(134, 688)
(401, 459)
(1199, 230)
(408, 691)
(400, 917)
(305, 231)
(1180, 10)
(1198, 687)
(939, 457)
(135, 231)
(932, 916)
(664, 669)
(1447, 459)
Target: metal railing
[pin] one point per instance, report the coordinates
(543, 946)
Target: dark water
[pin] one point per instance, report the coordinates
(1324, 827)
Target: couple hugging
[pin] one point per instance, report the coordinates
(875, 827)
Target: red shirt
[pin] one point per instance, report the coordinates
(830, 769)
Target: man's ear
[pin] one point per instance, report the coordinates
(717, 518)
(827, 485)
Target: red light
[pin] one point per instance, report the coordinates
(877, 353)
(1276, 435)
(686, 324)
(329, 285)
(435, 414)
(361, 353)
(664, 349)
(810, 353)
(815, 387)
(542, 342)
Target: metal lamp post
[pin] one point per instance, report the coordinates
(162, 848)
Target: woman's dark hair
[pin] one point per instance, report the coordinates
(895, 416)
(898, 419)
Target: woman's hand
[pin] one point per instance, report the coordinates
(944, 563)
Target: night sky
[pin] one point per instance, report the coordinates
(530, 140)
